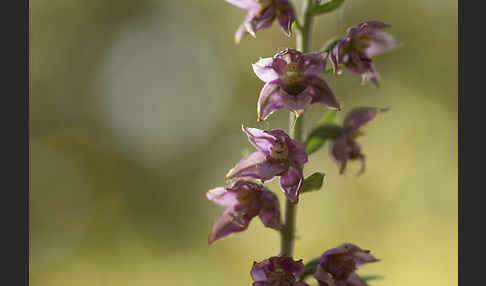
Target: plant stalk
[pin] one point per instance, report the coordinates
(304, 41)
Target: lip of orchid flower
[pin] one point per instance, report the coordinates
(243, 200)
(277, 155)
(360, 44)
(292, 79)
(262, 13)
(338, 265)
(345, 147)
(277, 270)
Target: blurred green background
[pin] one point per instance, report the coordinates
(136, 109)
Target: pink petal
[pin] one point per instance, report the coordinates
(291, 182)
(312, 63)
(339, 151)
(222, 197)
(381, 43)
(225, 225)
(298, 153)
(358, 117)
(240, 33)
(248, 166)
(261, 140)
(270, 211)
(296, 103)
(321, 93)
(286, 16)
(264, 70)
(269, 100)
(323, 276)
(355, 280)
(245, 4)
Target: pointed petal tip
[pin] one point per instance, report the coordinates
(385, 109)
(237, 39)
(262, 118)
(298, 113)
(211, 239)
(230, 174)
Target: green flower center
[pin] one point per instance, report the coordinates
(361, 43)
(293, 80)
(280, 274)
(279, 152)
(247, 197)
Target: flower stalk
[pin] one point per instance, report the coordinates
(304, 42)
(293, 79)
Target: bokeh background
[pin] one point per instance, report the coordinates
(136, 109)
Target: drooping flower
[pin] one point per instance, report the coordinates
(277, 271)
(337, 266)
(262, 13)
(361, 43)
(292, 79)
(277, 155)
(345, 147)
(243, 201)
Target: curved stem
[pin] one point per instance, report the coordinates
(304, 42)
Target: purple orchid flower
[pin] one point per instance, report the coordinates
(277, 271)
(361, 43)
(292, 79)
(262, 13)
(243, 201)
(277, 155)
(338, 265)
(345, 147)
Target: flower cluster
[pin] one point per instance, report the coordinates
(243, 201)
(361, 43)
(294, 80)
(279, 270)
(345, 147)
(262, 13)
(336, 267)
(277, 155)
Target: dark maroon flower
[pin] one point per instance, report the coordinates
(345, 147)
(292, 79)
(361, 43)
(262, 13)
(243, 201)
(277, 155)
(338, 265)
(277, 271)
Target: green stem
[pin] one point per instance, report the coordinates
(304, 41)
(304, 35)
